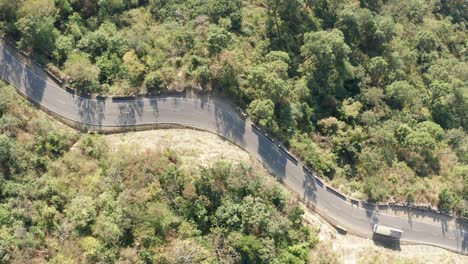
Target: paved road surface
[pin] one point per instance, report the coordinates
(421, 227)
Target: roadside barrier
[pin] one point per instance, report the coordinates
(110, 129)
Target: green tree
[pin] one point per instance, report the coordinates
(133, 67)
(172, 181)
(286, 23)
(455, 9)
(53, 144)
(64, 8)
(375, 189)
(326, 62)
(92, 247)
(108, 7)
(426, 41)
(87, 8)
(84, 73)
(8, 158)
(64, 45)
(420, 141)
(402, 94)
(105, 39)
(6, 217)
(81, 212)
(255, 215)
(378, 69)
(262, 111)
(8, 13)
(268, 81)
(448, 200)
(36, 25)
(7, 242)
(412, 10)
(108, 230)
(374, 5)
(249, 247)
(231, 9)
(312, 154)
(218, 38)
(348, 23)
(155, 81)
(110, 66)
(326, 10)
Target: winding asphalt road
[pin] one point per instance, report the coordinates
(418, 226)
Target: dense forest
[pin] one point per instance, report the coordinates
(89, 204)
(372, 94)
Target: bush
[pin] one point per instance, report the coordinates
(93, 146)
(52, 144)
(448, 200)
(155, 81)
(312, 154)
(328, 126)
(375, 190)
(84, 74)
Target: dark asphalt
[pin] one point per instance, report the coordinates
(420, 227)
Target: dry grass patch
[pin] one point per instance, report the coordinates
(194, 148)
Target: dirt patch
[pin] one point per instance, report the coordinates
(195, 148)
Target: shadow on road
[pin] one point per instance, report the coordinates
(29, 79)
(129, 112)
(153, 102)
(463, 235)
(416, 214)
(272, 156)
(91, 112)
(228, 124)
(386, 242)
(370, 208)
(310, 188)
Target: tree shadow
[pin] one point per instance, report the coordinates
(462, 234)
(228, 124)
(129, 111)
(154, 104)
(91, 112)
(20, 72)
(273, 158)
(310, 187)
(414, 214)
(370, 209)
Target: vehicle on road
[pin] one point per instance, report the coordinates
(387, 231)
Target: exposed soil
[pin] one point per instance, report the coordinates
(195, 148)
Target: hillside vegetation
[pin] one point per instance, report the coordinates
(372, 94)
(92, 203)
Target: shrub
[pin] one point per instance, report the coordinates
(448, 200)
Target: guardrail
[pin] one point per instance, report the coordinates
(43, 67)
(51, 75)
(86, 127)
(322, 183)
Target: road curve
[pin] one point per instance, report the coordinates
(419, 226)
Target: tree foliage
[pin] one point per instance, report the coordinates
(356, 88)
(98, 204)
(83, 72)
